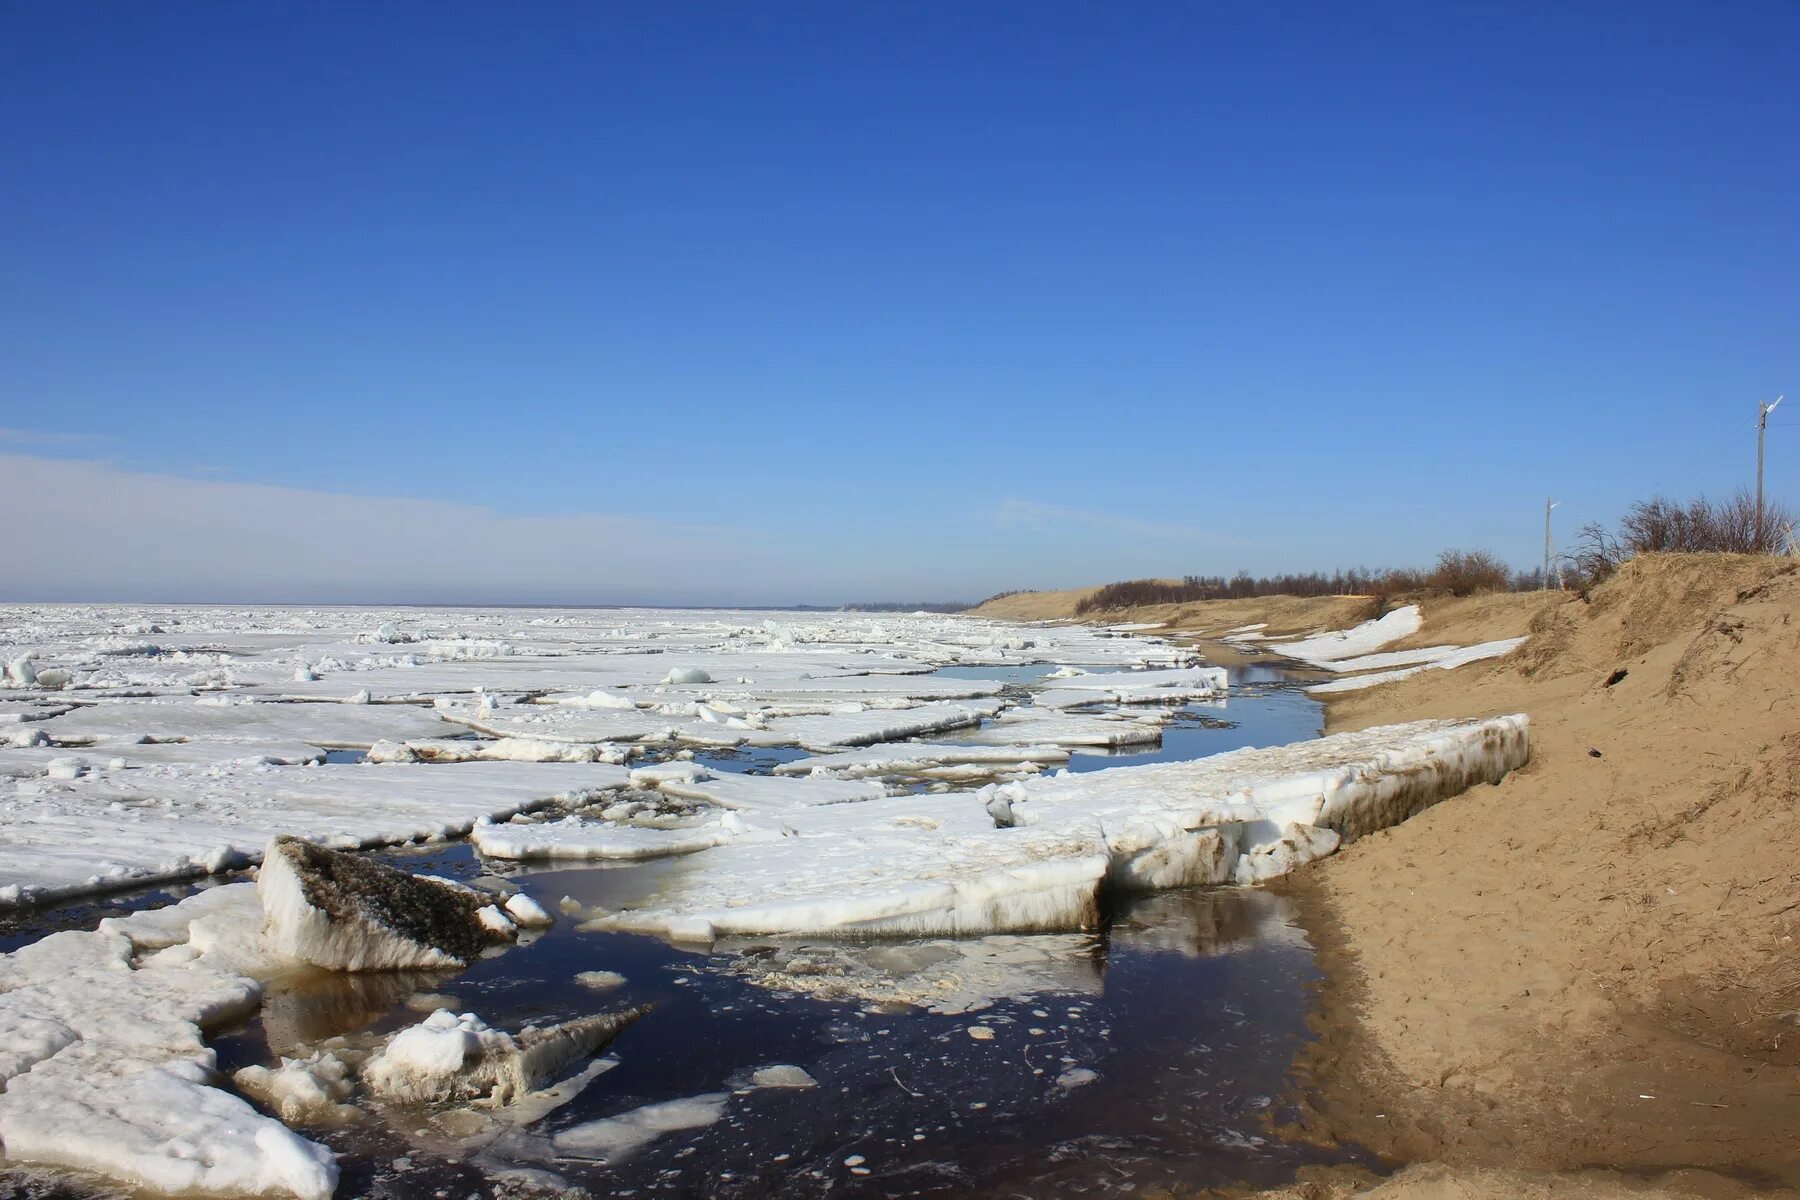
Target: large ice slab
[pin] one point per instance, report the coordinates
(578, 838)
(105, 1069)
(1032, 854)
(898, 866)
(354, 726)
(876, 725)
(110, 828)
(925, 759)
(1246, 813)
(762, 793)
(1023, 726)
(1141, 687)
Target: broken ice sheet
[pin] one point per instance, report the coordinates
(111, 828)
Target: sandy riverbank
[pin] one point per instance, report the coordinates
(1582, 981)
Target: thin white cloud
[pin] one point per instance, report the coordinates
(91, 530)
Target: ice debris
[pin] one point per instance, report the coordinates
(449, 1057)
(614, 1139)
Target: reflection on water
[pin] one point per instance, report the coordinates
(1186, 1008)
(750, 760)
(1262, 710)
(309, 1005)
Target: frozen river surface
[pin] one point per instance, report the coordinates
(919, 901)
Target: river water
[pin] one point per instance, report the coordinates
(1152, 1052)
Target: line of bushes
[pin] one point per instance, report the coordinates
(1663, 526)
(1657, 525)
(1460, 572)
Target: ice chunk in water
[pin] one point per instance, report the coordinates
(614, 1139)
(450, 1057)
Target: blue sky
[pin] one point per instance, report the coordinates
(820, 302)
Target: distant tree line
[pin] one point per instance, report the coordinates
(1460, 572)
(936, 606)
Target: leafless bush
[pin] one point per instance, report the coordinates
(1465, 572)
(1730, 526)
(1597, 554)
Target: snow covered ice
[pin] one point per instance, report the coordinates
(146, 745)
(1032, 854)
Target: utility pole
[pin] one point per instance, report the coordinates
(1762, 424)
(1548, 505)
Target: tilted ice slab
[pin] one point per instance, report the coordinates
(459, 750)
(563, 723)
(1021, 726)
(922, 759)
(761, 793)
(578, 838)
(898, 866)
(1032, 855)
(1362, 639)
(356, 726)
(583, 836)
(1139, 687)
(1448, 658)
(114, 828)
(776, 691)
(104, 1067)
(20, 763)
(1250, 814)
(880, 725)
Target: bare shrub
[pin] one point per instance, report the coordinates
(1596, 556)
(1465, 572)
(1731, 526)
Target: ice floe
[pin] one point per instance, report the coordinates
(926, 759)
(142, 745)
(614, 1139)
(1032, 855)
(113, 827)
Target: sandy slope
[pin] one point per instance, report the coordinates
(1448, 619)
(1594, 962)
(1585, 981)
(1282, 614)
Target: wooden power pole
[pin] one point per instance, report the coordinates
(1548, 505)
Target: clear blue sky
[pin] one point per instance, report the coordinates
(828, 301)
